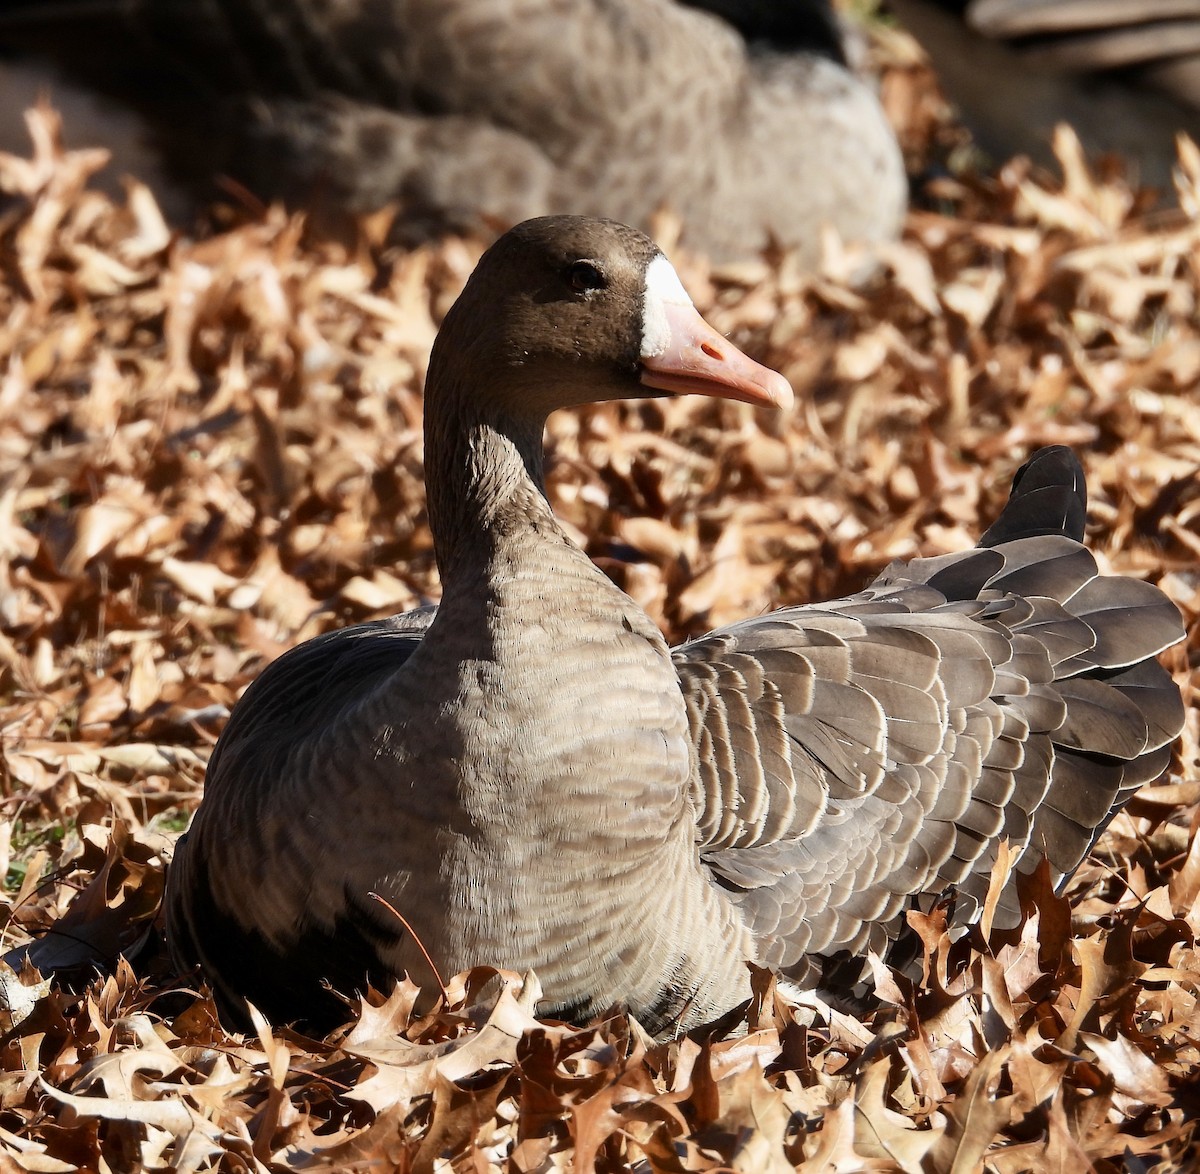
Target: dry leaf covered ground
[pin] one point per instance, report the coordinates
(210, 449)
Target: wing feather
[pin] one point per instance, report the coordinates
(1008, 691)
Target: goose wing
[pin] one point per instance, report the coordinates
(303, 690)
(858, 757)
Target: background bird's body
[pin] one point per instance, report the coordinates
(473, 113)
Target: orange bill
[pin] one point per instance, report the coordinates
(697, 360)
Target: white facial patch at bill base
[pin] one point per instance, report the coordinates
(662, 287)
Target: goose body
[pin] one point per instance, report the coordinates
(1125, 75)
(533, 779)
(469, 113)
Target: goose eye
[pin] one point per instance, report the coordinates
(584, 275)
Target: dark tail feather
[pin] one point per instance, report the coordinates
(1048, 496)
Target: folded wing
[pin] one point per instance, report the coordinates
(857, 758)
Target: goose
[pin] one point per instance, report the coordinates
(1125, 76)
(533, 780)
(470, 114)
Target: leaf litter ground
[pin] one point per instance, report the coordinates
(210, 450)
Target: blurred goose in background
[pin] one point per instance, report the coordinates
(534, 780)
(473, 114)
(1124, 73)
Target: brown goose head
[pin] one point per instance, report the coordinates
(565, 310)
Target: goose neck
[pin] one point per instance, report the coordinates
(483, 473)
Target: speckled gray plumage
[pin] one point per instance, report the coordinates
(535, 780)
(473, 113)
